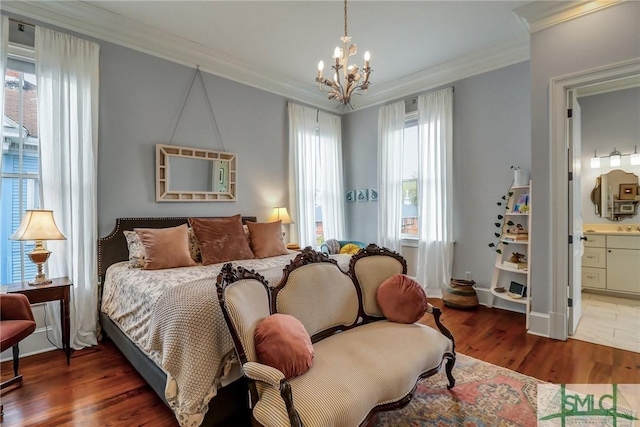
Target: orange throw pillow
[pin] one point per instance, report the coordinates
(165, 247)
(221, 239)
(283, 343)
(401, 299)
(266, 239)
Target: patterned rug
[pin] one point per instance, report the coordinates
(485, 395)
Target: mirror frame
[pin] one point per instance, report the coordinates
(163, 174)
(599, 198)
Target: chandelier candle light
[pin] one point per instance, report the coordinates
(347, 79)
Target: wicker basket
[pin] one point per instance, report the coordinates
(461, 294)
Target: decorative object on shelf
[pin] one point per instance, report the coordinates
(520, 176)
(373, 194)
(517, 257)
(38, 225)
(363, 195)
(615, 158)
(461, 294)
(503, 202)
(500, 290)
(628, 191)
(346, 79)
(522, 205)
(351, 195)
(516, 288)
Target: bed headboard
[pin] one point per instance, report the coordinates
(113, 247)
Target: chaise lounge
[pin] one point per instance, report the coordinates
(362, 363)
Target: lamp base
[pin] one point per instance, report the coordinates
(39, 256)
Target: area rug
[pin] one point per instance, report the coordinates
(485, 395)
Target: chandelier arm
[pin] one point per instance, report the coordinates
(345, 19)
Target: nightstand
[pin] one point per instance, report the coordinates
(58, 290)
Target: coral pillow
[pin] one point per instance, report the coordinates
(221, 239)
(165, 247)
(282, 342)
(266, 239)
(350, 248)
(401, 299)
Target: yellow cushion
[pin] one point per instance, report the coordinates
(349, 248)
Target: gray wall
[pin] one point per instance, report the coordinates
(605, 37)
(608, 120)
(491, 132)
(140, 101)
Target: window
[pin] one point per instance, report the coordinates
(20, 170)
(410, 179)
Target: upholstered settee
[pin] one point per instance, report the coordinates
(362, 362)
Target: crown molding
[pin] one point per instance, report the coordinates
(470, 65)
(539, 15)
(89, 20)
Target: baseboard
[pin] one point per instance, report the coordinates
(539, 324)
(35, 343)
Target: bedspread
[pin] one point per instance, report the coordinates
(174, 316)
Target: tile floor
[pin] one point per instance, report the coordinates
(610, 321)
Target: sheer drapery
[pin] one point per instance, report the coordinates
(315, 163)
(303, 160)
(4, 47)
(68, 77)
(435, 136)
(331, 177)
(391, 120)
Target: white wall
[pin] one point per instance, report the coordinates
(491, 132)
(608, 120)
(601, 38)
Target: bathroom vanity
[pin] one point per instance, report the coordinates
(611, 259)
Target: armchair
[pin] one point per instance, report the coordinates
(16, 323)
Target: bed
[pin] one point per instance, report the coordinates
(143, 312)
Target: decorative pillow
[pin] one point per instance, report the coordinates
(136, 249)
(194, 248)
(282, 342)
(266, 239)
(350, 248)
(401, 299)
(221, 239)
(165, 247)
(333, 246)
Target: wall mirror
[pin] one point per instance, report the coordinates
(186, 174)
(616, 195)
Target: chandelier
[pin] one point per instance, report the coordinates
(347, 79)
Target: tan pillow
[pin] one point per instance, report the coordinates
(401, 299)
(221, 239)
(165, 247)
(282, 342)
(266, 239)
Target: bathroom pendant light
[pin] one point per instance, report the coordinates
(635, 157)
(595, 160)
(614, 158)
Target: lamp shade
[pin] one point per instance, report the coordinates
(280, 214)
(38, 225)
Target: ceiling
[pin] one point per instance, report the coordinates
(276, 45)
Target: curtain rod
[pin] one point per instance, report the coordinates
(21, 24)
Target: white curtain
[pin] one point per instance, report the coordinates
(331, 176)
(4, 47)
(435, 136)
(303, 160)
(67, 74)
(391, 120)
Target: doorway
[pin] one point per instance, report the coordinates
(567, 243)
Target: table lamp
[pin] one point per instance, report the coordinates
(280, 214)
(38, 225)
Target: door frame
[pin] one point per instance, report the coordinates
(559, 203)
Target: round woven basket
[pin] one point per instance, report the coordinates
(460, 294)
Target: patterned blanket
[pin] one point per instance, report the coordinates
(174, 317)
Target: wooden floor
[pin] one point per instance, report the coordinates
(100, 388)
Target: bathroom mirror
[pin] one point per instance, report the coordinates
(186, 174)
(616, 195)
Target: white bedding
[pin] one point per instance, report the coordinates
(173, 315)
